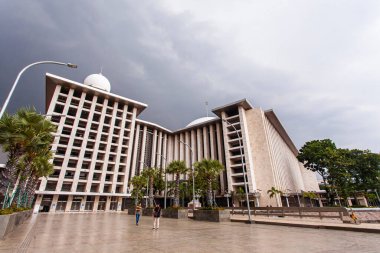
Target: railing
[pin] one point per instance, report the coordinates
(311, 212)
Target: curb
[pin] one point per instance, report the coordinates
(332, 227)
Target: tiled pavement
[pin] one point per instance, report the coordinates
(116, 232)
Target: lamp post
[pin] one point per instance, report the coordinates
(243, 167)
(227, 195)
(166, 180)
(70, 65)
(192, 169)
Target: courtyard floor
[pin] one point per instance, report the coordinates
(116, 232)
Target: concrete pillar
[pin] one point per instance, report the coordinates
(96, 203)
(37, 204)
(69, 202)
(53, 205)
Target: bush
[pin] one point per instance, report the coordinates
(11, 210)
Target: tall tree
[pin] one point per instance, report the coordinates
(27, 137)
(272, 192)
(150, 174)
(177, 167)
(317, 156)
(138, 182)
(207, 172)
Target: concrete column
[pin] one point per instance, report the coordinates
(154, 149)
(135, 153)
(131, 136)
(37, 204)
(69, 202)
(53, 204)
(199, 145)
(96, 203)
(206, 143)
(108, 203)
(119, 203)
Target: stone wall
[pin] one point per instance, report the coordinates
(9, 222)
(367, 215)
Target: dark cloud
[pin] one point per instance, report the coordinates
(169, 60)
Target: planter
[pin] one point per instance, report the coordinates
(144, 211)
(147, 211)
(131, 211)
(10, 221)
(175, 213)
(212, 215)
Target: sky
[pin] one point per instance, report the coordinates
(315, 63)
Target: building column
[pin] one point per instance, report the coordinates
(108, 204)
(69, 203)
(96, 203)
(37, 204)
(119, 203)
(53, 204)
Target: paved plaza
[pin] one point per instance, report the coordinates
(116, 232)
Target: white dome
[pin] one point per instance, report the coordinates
(98, 81)
(200, 121)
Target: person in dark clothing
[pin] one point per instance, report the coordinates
(156, 216)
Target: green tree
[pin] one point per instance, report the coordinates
(207, 173)
(318, 156)
(152, 175)
(238, 195)
(27, 137)
(272, 192)
(177, 168)
(139, 183)
(310, 196)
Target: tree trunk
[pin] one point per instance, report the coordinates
(176, 190)
(151, 181)
(209, 193)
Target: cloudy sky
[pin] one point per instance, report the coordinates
(316, 63)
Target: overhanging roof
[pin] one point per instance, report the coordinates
(244, 103)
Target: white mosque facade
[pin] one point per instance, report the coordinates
(101, 144)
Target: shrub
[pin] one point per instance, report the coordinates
(11, 210)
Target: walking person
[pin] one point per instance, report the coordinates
(138, 213)
(156, 216)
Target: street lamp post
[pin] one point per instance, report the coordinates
(192, 169)
(70, 65)
(166, 180)
(243, 167)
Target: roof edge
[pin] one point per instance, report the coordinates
(271, 116)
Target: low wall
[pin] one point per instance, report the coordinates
(10, 221)
(367, 215)
(175, 213)
(212, 215)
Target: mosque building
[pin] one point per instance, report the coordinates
(100, 144)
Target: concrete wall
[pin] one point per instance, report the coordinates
(9, 222)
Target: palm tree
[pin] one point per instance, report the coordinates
(273, 192)
(309, 195)
(177, 168)
(150, 174)
(138, 183)
(26, 136)
(207, 172)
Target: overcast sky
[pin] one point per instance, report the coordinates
(315, 63)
